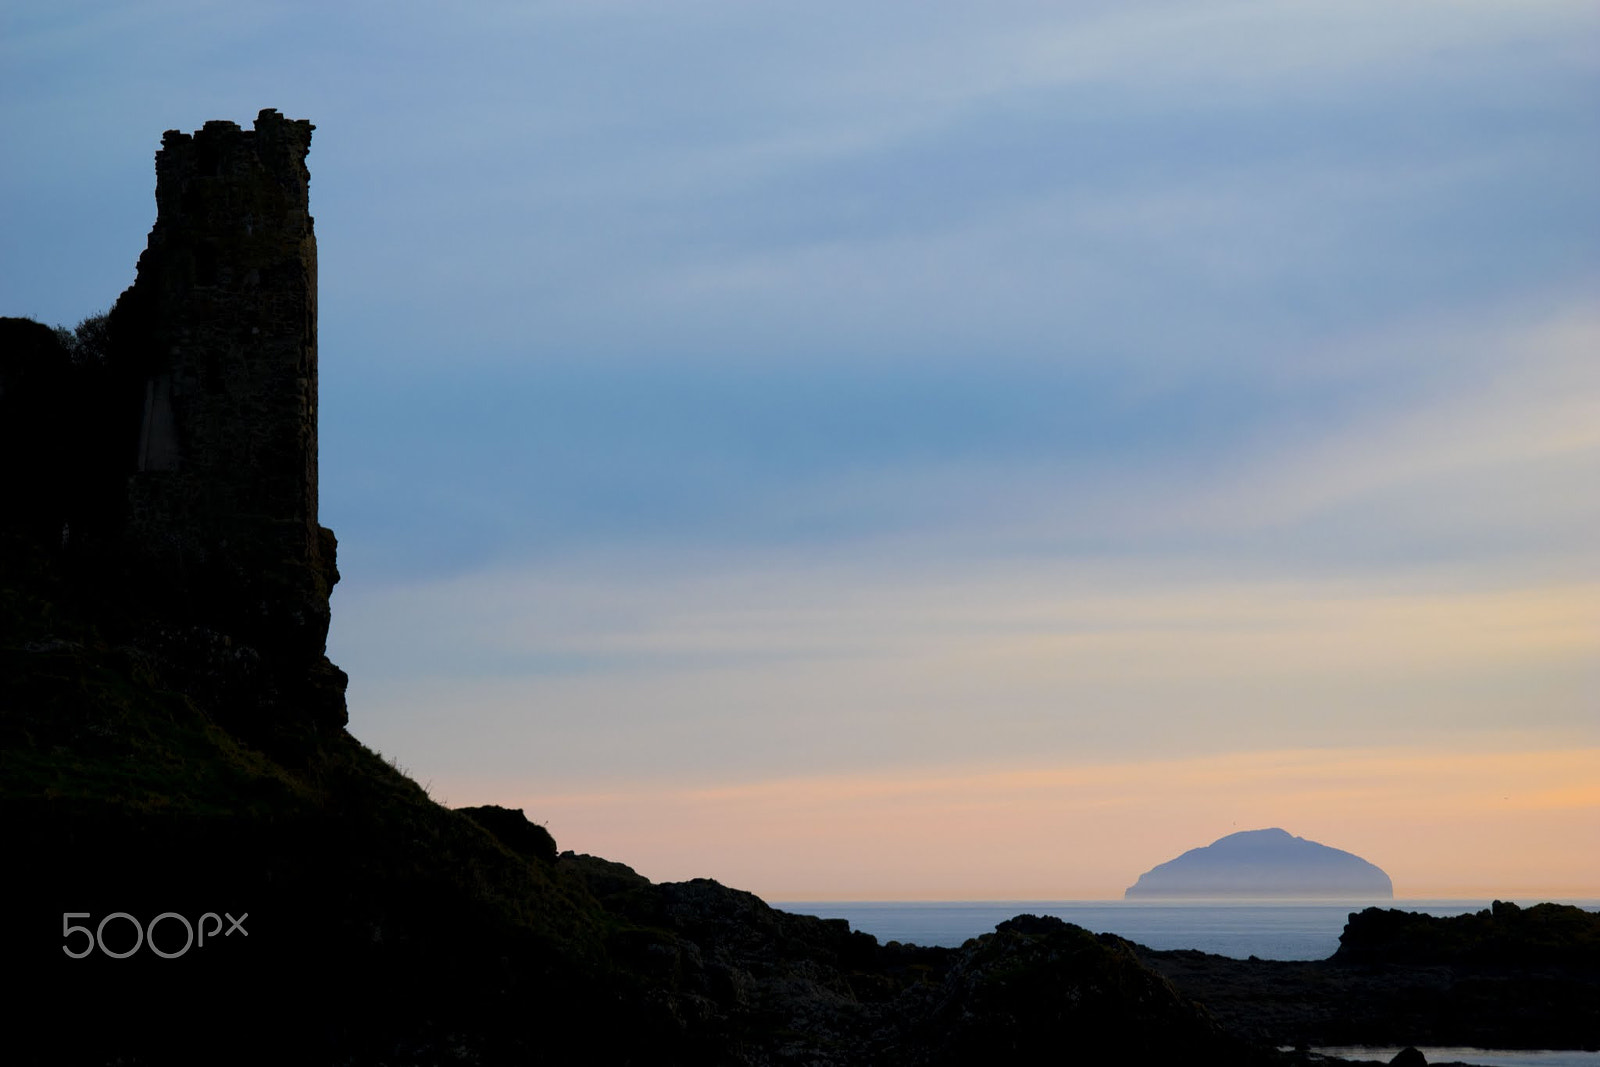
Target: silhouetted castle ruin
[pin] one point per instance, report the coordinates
(224, 318)
(188, 448)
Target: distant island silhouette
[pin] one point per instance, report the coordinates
(1264, 863)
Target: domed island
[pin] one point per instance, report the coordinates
(1264, 864)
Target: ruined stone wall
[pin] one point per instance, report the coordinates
(217, 349)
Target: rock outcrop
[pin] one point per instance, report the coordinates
(1264, 864)
(515, 831)
(1503, 977)
(1545, 934)
(731, 973)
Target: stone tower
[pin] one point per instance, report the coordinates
(217, 346)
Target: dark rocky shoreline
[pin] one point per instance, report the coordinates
(386, 929)
(1506, 977)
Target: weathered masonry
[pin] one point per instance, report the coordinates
(216, 343)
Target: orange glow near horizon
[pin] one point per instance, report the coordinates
(1515, 825)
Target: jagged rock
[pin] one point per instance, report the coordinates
(1505, 977)
(771, 987)
(1039, 989)
(514, 830)
(1558, 934)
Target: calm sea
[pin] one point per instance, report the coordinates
(1304, 930)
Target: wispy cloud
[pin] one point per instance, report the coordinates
(817, 669)
(1423, 567)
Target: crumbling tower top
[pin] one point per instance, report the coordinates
(220, 356)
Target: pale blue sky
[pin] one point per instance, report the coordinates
(715, 391)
